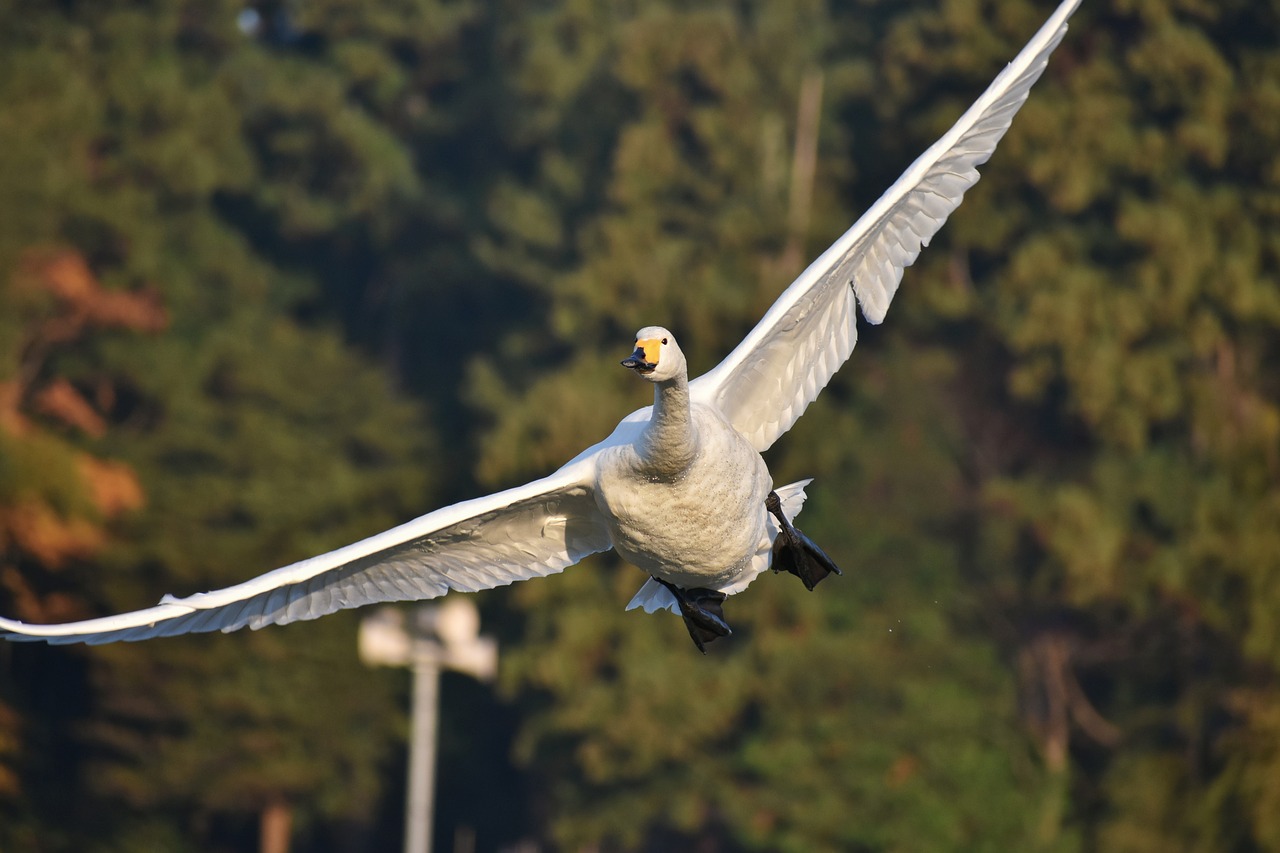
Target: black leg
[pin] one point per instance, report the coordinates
(703, 615)
(796, 553)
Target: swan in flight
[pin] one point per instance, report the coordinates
(679, 488)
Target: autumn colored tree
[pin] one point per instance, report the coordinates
(56, 499)
(177, 417)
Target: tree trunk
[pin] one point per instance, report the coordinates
(277, 822)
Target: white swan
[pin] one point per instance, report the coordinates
(679, 488)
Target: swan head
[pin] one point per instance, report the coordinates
(657, 356)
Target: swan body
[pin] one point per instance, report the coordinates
(654, 490)
(679, 488)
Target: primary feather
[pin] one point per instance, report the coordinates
(769, 379)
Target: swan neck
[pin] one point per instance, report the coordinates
(668, 444)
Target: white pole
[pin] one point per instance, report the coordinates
(445, 635)
(422, 756)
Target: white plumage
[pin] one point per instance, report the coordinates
(603, 498)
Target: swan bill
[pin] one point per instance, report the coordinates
(639, 361)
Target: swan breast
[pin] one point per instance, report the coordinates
(699, 528)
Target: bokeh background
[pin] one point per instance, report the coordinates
(275, 276)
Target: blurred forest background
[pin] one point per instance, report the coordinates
(274, 277)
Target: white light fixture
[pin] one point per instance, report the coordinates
(434, 637)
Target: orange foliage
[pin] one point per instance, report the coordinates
(113, 486)
(40, 531)
(10, 741)
(32, 529)
(11, 420)
(52, 539)
(902, 771)
(82, 305)
(61, 401)
(31, 606)
(67, 276)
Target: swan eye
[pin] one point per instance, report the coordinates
(664, 340)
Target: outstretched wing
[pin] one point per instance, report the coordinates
(529, 531)
(768, 381)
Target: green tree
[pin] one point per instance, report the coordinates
(1136, 314)
(144, 137)
(875, 714)
(1051, 475)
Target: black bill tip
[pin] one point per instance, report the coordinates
(636, 361)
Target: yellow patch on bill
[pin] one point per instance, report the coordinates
(652, 347)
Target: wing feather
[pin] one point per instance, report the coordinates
(530, 531)
(769, 379)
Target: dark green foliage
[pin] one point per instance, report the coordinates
(255, 438)
(1050, 477)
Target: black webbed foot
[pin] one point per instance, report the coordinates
(703, 615)
(796, 553)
